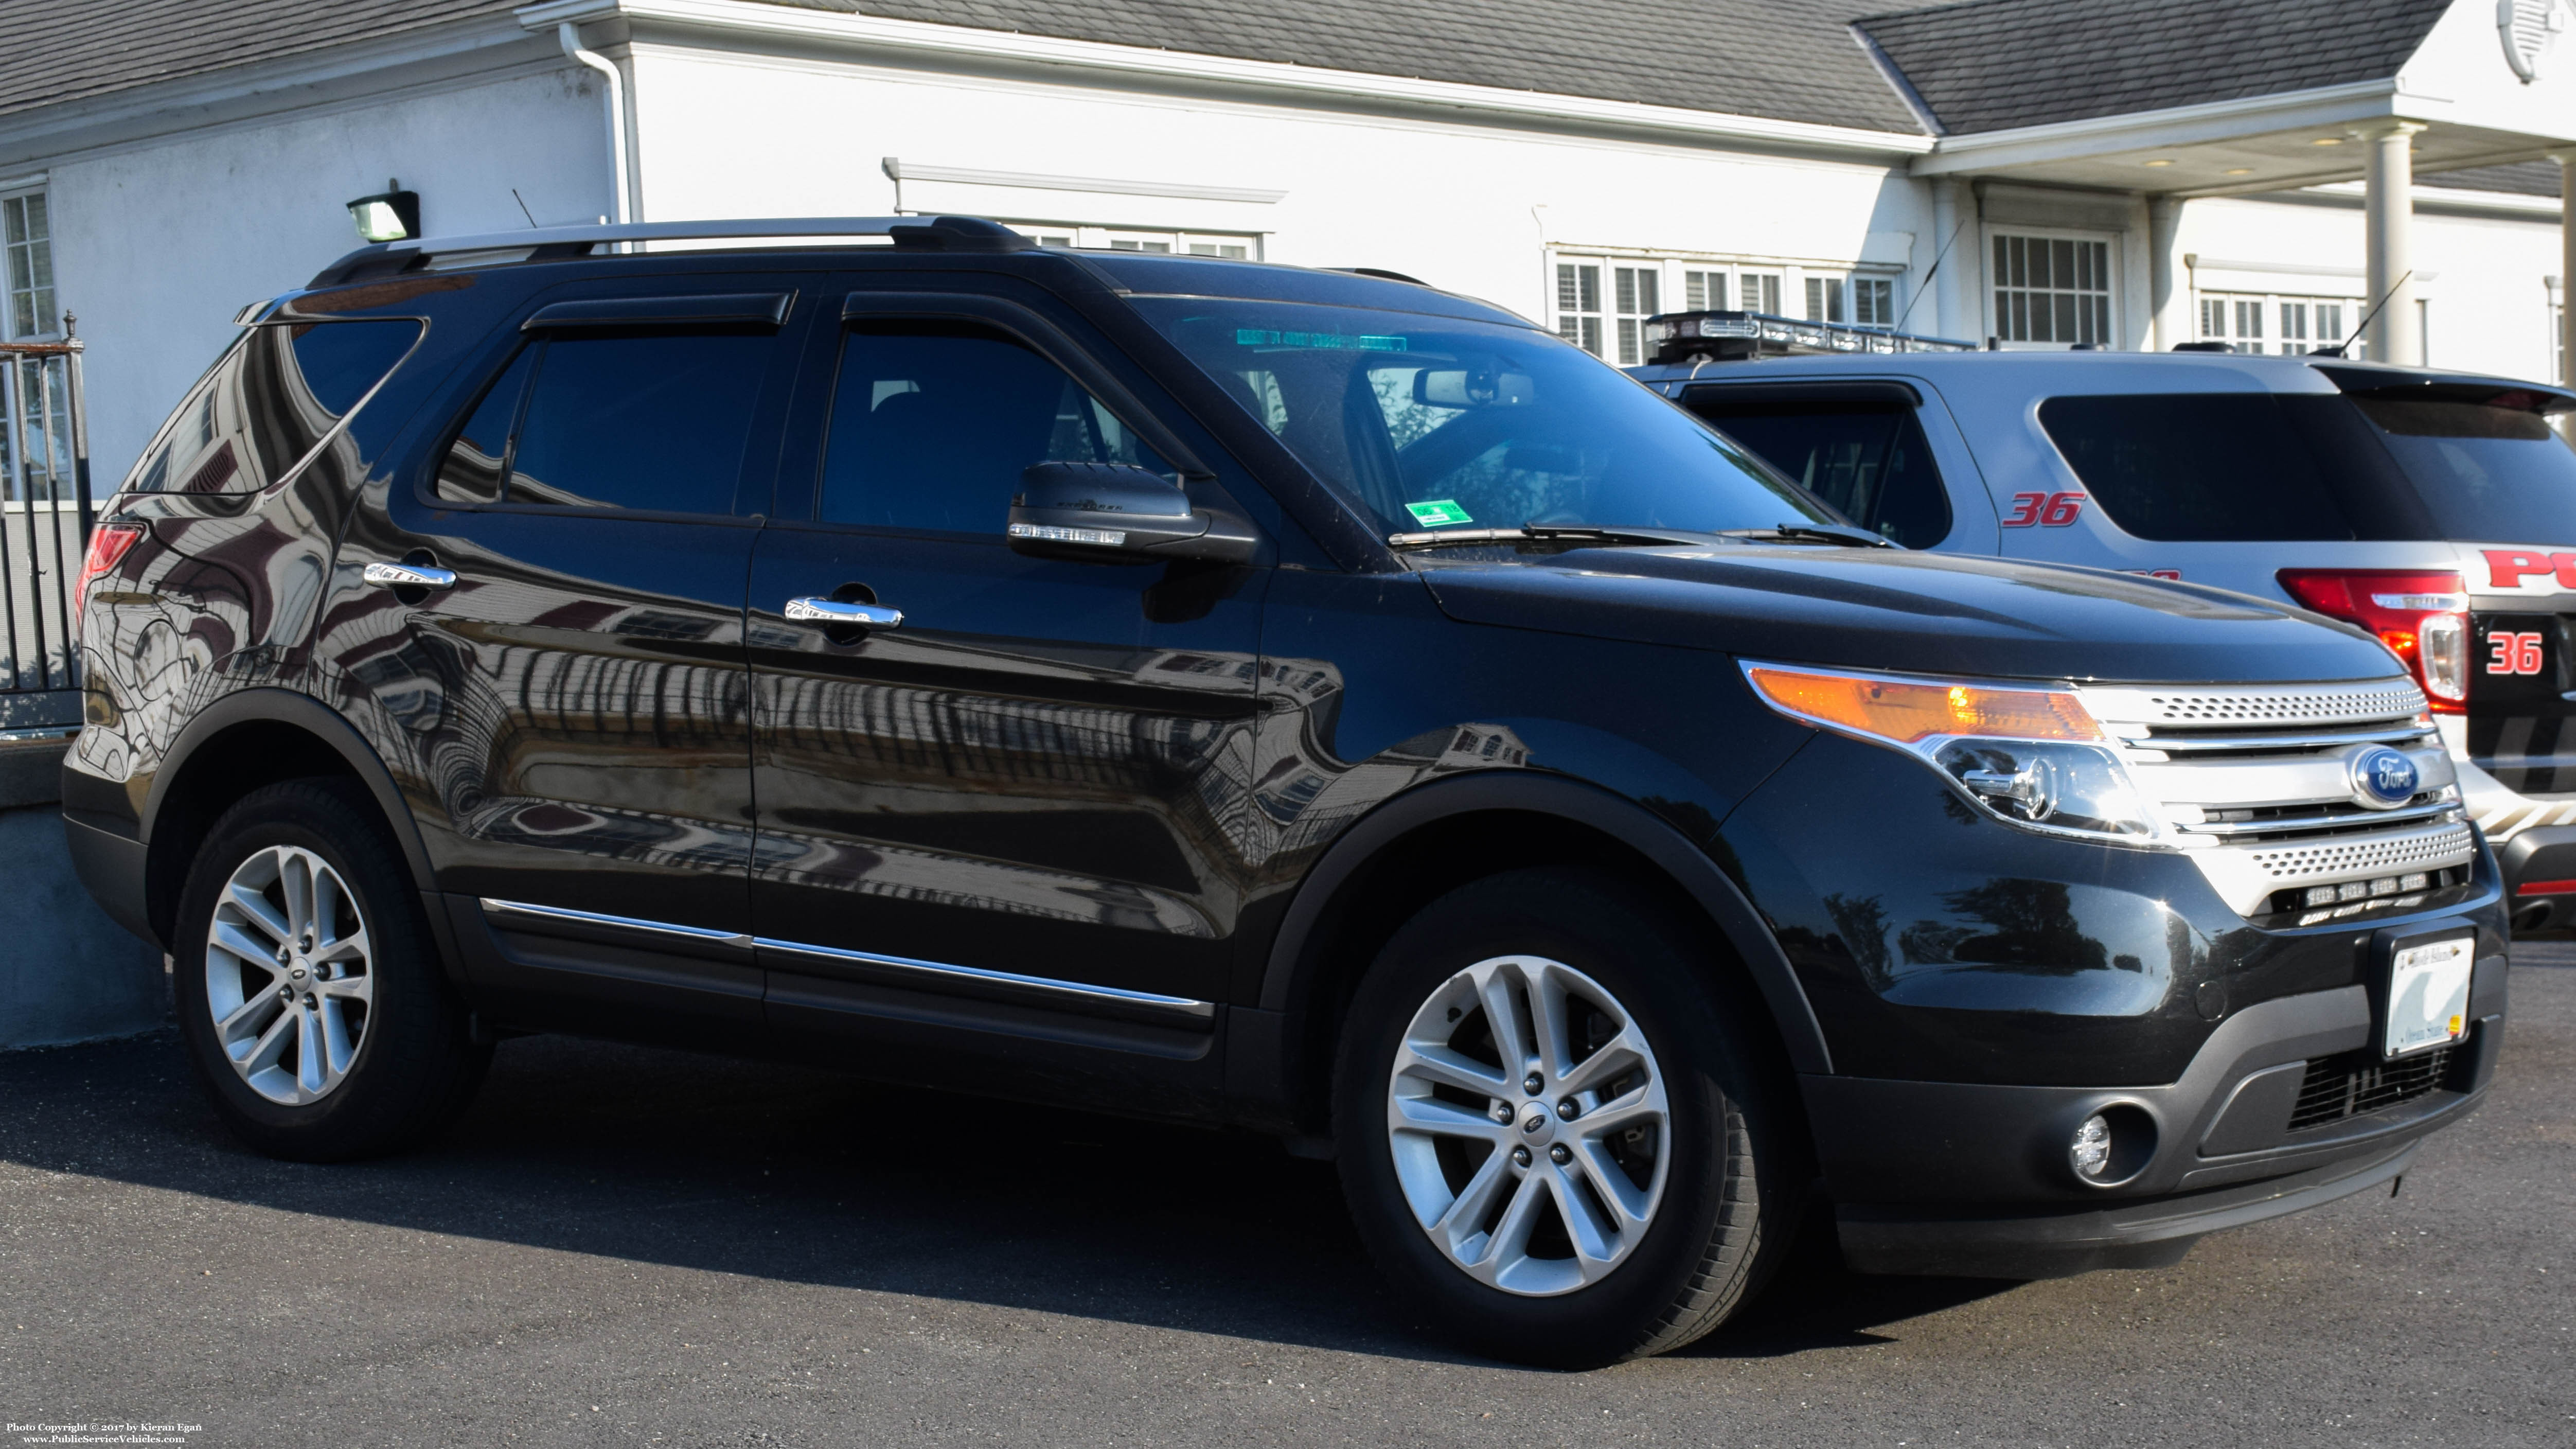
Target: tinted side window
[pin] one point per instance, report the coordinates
(1868, 459)
(337, 362)
(481, 452)
(2218, 467)
(260, 410)
(933, 422)
(656, 422)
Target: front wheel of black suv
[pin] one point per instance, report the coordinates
(1558, 1125)
(307, 983)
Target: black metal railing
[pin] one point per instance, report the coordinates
(45, 520)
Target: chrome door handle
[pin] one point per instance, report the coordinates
(409, 576)
(834, 611)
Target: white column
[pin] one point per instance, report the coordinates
(2566, 265)
(1947, 238)
(2171, 294)
(2388, 205)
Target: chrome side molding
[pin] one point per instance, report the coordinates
(930, 975)
(569, 916)
(1071, 992)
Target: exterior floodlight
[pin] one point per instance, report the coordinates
(391, 215)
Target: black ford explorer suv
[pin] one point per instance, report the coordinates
(1297, 700)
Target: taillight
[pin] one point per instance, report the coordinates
(108, 544)
(2423, 618)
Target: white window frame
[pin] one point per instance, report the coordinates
(2108, 324)
(1143, 239)
(2273, 320)
(49, 324)
(1685, 282)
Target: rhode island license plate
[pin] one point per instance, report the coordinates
(2428, 995)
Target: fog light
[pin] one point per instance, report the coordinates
(2091, 1150)
(2416, 882)
(2320, 896)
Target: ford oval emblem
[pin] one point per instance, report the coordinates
(2382, 778)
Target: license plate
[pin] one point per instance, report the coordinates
(2428, 995)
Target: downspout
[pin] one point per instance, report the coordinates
(570, 35)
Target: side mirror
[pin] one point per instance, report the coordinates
(1119, 513)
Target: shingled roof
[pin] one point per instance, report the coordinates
(1992, 65)
(2520, 178)
(54, 51)
(1791, 60)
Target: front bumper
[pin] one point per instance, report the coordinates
(1972, 1179)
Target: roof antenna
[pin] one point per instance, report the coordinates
(1929, 273)
(2342, 349)
(523, 207)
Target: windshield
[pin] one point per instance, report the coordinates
(1431, 423)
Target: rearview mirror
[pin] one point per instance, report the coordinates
(1473, 387)
(1119, 513)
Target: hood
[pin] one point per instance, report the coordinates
(1921, 613)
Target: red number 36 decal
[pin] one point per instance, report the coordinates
(2050, 510)
(2513, 654)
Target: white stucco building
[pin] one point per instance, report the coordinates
(2040, 172)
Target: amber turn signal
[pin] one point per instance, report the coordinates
(1904, 711)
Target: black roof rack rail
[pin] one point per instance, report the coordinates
(549, 243)
(1675, 337)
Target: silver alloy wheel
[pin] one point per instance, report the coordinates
(290, 977)
(1521, 1193)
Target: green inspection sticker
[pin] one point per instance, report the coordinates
(1438, 513)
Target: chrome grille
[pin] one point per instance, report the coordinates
(2285, 706)
(2255, 784)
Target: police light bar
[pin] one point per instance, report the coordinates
(1675, 337)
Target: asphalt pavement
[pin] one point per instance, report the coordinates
(625, 1246)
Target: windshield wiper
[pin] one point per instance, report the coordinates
(1543, 532)
(1815, 533)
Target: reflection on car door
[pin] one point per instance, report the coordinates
(1010, 810)
(578, 691)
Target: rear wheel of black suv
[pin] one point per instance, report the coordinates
(307, 982)
(1557, 1124)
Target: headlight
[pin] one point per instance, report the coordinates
(2035, 757)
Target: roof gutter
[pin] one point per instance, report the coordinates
(568, 35)
(2176, 126)
(915, 41)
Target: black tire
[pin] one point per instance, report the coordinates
(1736, 1169)
(415, 1065)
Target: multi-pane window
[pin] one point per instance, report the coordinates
(2052, 289)
(2285, 325)
(1578, 305)
(1159, 243)
(1602, 302)
(1869, 301)
(1638, 292)
(1874, 301)
(26, 232)
(1711, 291)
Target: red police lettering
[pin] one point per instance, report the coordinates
(2505, 567)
